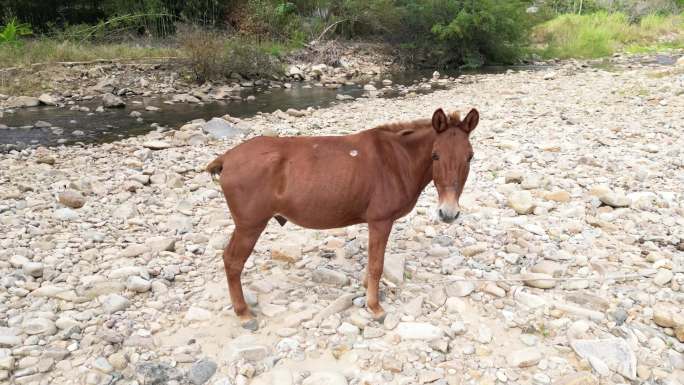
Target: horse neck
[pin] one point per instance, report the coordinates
(419, 148)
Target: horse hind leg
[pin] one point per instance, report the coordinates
(234, 257)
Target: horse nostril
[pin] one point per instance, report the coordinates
(441, 213)
(458, 213)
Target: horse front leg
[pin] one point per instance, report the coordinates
(378, 234)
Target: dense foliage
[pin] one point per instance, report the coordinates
(434, 33)
(430, 32)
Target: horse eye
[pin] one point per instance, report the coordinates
(435, 156)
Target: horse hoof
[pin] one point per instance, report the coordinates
(380, 318)
(250, 324)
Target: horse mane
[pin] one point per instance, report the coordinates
(398, 127)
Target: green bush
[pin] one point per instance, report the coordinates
(448, 33)
(13, 31)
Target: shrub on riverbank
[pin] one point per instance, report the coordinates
(213, 56)
(601, 34)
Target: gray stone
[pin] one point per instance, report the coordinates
(118, 360)
(138, 284)
(201, 371)
(460, 288)
(72, 199)
(159, 244)
(289, 252)
(613, 353)
(9, 340)
(330, 277)
(22, 101)
(391, 321)
(458, 328)
(663, 277)
(66, 214)
(484, 334)
(348, 329)
(245, 347)
(418, 331)
(113, 303)
(521, 202)
(34, 269)
(180, 223)
(393, 269)
(614, 199)
(196, 313)
(133, 251)
(524, 357)
(47, 100)
(65, 322)
(101, 364)
(371, 332)
(125, 211)
(325, 378)
(40, 326)
(219, 128)
(538, 280)
(96, 289)
(157, 144)
(451, 264)
(112, 101)
(150, 373)
(185, 98)
(415, 306)
(270, 310)
(6, 362)
(295, 113)
(340, 304)
(619, 316)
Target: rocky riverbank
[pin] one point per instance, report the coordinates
(567, 267)
(71, 83)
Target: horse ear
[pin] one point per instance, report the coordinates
(470, 121)
(440, 122)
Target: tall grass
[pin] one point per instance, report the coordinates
(602, 34)
(46, 50)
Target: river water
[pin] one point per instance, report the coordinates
(18, 128)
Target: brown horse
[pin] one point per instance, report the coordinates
(374, 177)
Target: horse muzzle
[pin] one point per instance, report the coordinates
(448, 214)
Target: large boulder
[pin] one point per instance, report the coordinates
(22, 101)
(47, 100)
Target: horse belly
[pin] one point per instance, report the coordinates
(322, 195)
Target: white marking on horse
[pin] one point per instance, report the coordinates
(353, 153)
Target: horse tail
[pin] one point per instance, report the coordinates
(216, 166)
